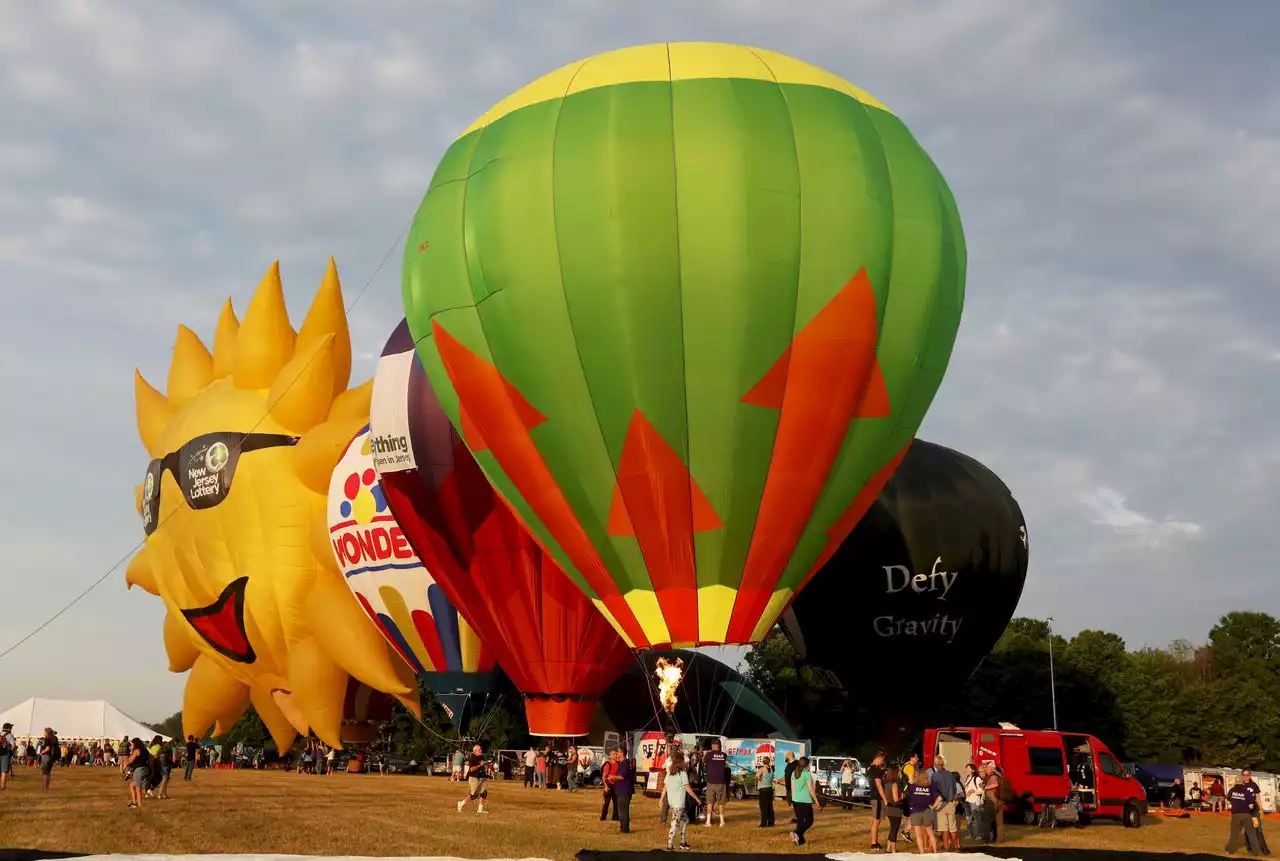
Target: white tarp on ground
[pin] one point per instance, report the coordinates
(298, 858)
(940, 856)
(839, 856)
(83, 720)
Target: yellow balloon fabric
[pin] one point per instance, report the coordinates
(242, 445)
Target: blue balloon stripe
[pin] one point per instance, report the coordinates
(391, 629)
(446, 619)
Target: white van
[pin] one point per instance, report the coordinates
(828, 773)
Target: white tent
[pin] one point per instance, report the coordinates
(81, 720)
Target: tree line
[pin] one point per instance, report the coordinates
(1216, 703)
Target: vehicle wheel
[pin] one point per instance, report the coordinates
(1132, 817)
(739, 793)
(1029, 816)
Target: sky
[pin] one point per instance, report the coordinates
(1117, 168)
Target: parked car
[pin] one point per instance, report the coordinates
(1158, 780)
(1046, 768)
(828, 773)
(401, 765)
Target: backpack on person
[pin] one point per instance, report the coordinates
(6, 749)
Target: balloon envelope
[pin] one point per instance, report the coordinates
(686, 304)
(929, 577)
(396, 590)
(557, 650)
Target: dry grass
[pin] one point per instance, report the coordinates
(274, 812)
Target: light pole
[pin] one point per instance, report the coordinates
(1053, 693)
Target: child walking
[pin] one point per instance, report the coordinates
(677, 787)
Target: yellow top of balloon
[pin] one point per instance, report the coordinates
(671, 61)
(288, 636)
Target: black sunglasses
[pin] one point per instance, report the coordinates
(203, 469)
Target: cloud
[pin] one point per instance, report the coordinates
(1110, 510)
(1117, 168)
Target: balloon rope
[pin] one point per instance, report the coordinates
(125, 558)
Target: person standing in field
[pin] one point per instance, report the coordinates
(1247, 781)
(788, 773)
(893, 810)
(49, 752)
(973, 794)
(166, 770)
(1244, 815)
(924, 799)
(530, 763)
(137, 771)
(949, 790)
(624, 787)
(193, 750)
(477, 775)
(992, 806)
(880, 800)
(607, 770)
(717, 765)
(802, 798)
(458, 761)
(676, 789)
(764, 786)
(8, 748)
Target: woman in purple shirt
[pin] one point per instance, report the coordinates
(923, 797)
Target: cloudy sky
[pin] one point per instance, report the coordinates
(1117, 167)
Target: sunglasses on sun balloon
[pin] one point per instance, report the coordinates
(203, 468)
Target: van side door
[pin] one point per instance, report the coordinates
(1113, 783)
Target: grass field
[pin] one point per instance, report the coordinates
(275, 812)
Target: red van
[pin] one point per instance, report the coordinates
(1045, 767)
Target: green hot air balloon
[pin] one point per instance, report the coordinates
(687, 304)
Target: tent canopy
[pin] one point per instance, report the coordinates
(74, 719)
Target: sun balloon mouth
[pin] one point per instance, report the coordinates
(221, 624)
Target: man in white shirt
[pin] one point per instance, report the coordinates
(530, 765)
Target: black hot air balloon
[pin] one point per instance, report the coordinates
(930, 576)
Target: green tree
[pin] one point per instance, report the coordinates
(170, 726)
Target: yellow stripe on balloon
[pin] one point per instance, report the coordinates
(644, 604)
(604, 611)
(399, 613)
(468, 646)
(776, 605)
(671, 61)
(715, 607)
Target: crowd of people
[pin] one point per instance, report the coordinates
(146, 766)
(930, 808)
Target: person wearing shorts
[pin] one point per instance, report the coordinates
(924, 801)
(48, 751)
(880, 800)
(717, 766)
(948, 788)
(477, 774)
(8, 749)
(137, 771)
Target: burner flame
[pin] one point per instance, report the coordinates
(669, 674)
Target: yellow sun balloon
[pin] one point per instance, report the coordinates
(233, 506)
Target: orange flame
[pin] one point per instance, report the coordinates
(668, 674)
